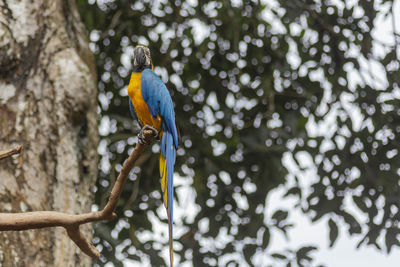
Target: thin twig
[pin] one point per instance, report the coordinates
(8, 153)
(42, 219)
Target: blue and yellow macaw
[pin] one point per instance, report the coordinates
(151, 104)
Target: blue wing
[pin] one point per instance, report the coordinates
(159, 102)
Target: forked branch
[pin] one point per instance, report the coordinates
(42, 219)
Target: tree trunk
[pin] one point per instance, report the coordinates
(48, 102)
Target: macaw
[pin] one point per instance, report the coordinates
(151, 105)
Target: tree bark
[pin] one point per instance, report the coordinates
(48, 102)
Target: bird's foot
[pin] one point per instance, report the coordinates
(142, 139)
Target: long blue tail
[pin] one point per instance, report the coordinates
(167, 162)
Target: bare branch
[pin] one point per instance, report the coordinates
(71, 222)
(85, 245)
(8, 153)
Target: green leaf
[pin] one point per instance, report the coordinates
(333, 232)
(249, 251)
(355, 227)
(293, 191)
(392, 238)
(266, 238)
(303, 252)
(278, 256)
(280, 215)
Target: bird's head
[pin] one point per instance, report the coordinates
(141, 58)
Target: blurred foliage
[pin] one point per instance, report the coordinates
(252, 81)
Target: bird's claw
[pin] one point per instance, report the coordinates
(142, 139)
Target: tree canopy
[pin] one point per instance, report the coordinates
(252, 82)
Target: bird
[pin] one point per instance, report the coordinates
(150, 103)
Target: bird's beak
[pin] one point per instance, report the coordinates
(140, 56)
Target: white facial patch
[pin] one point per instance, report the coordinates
(147, 53)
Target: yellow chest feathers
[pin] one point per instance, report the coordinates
(139, 105)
